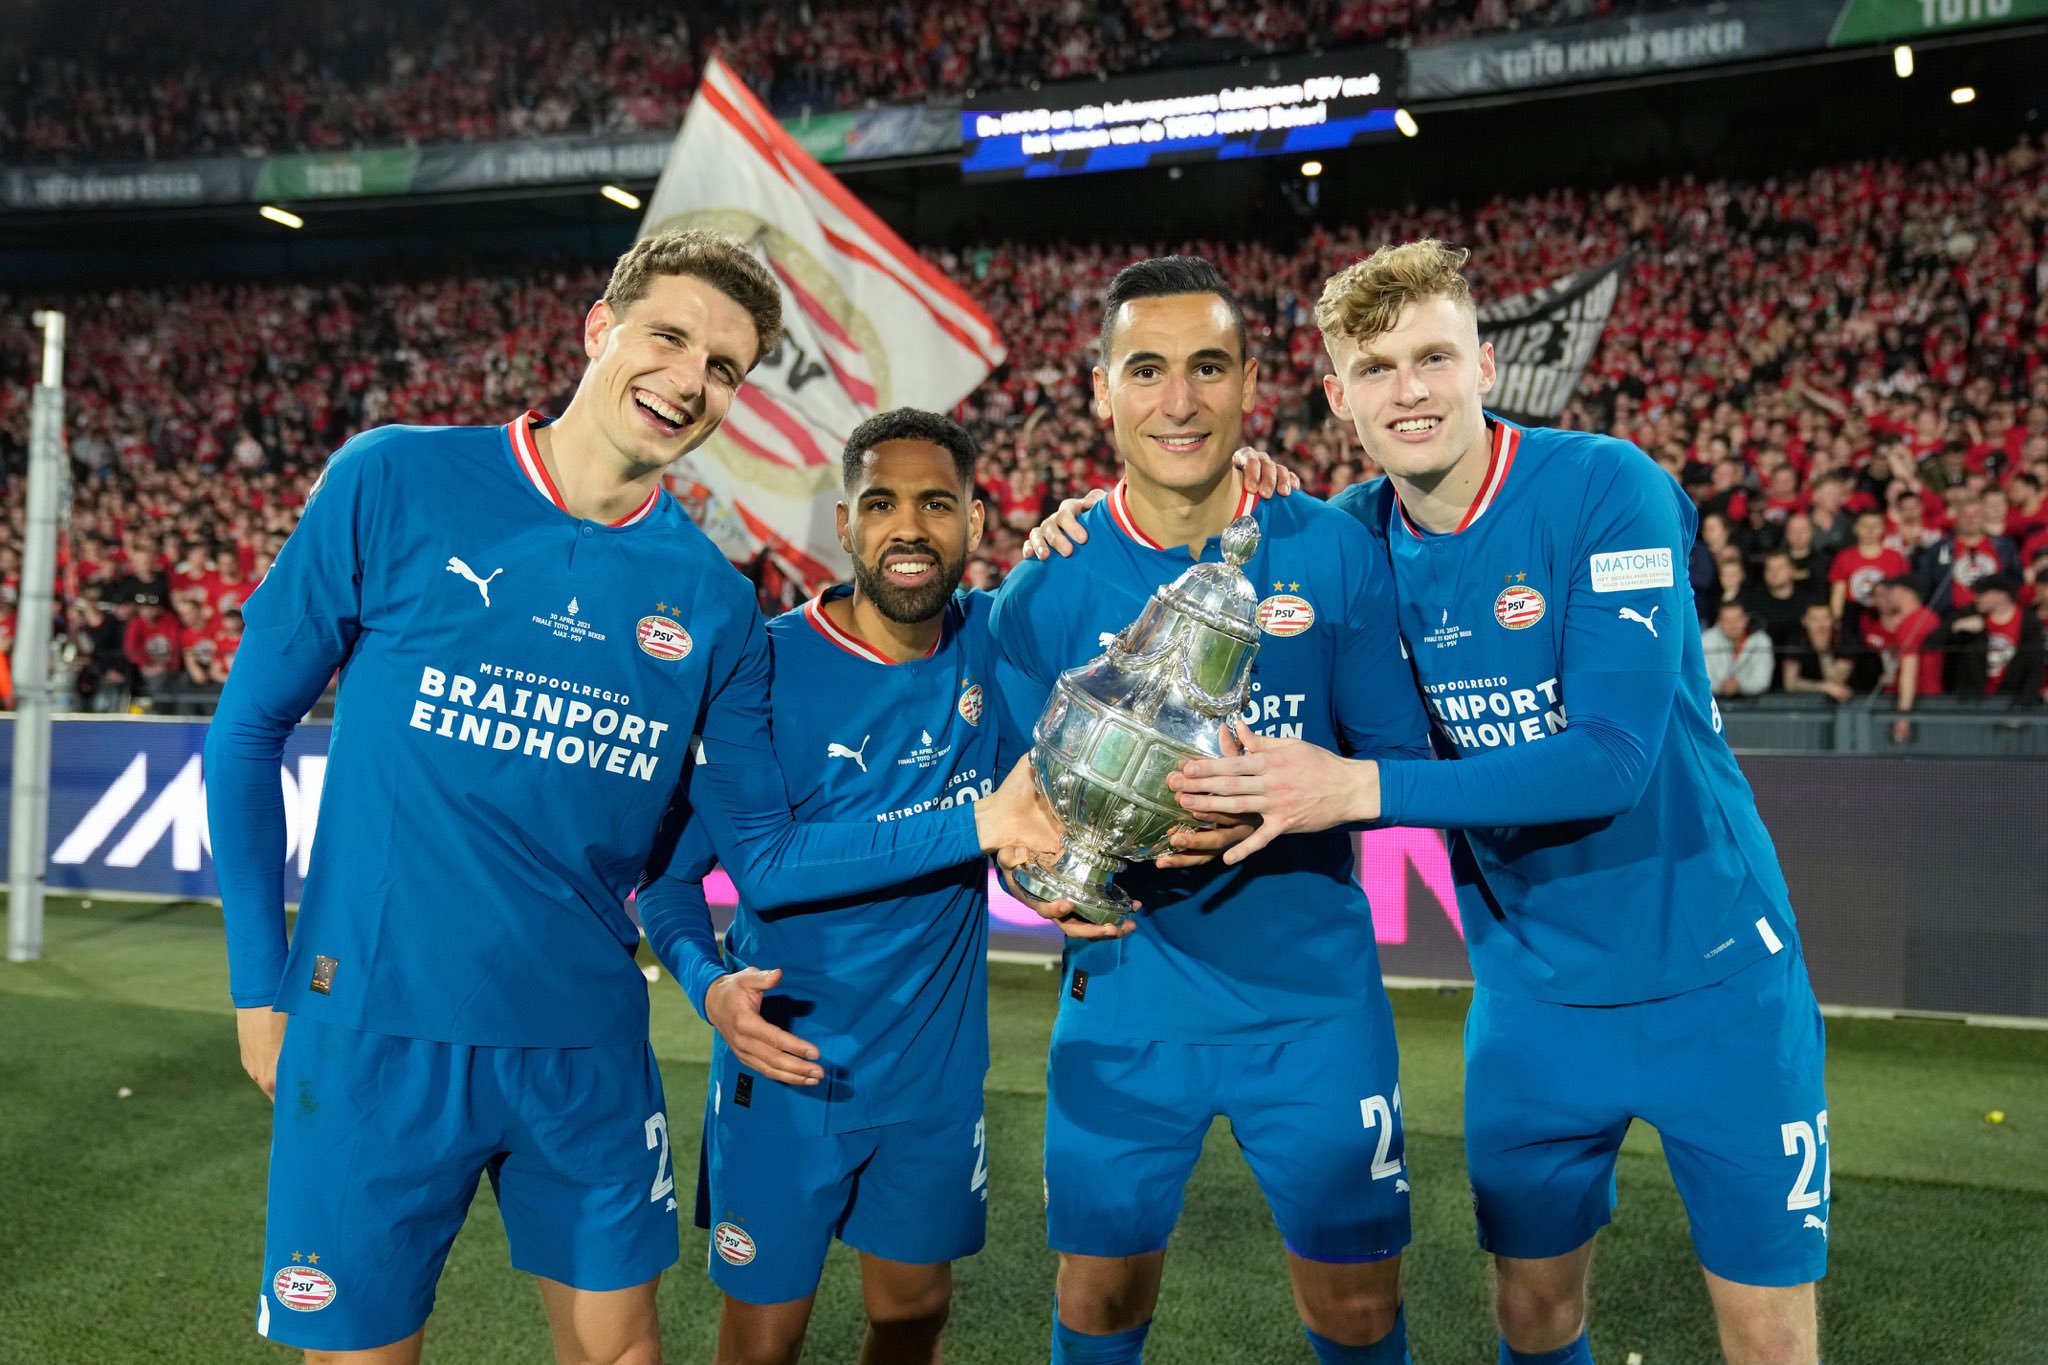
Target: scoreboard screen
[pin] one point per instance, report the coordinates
(1264, 108)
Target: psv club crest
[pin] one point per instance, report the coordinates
(1285, 614)
(1518, 607)
(303, 1289)
(662, 635)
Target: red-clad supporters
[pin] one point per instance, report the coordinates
(1845, 366)
(180, 78)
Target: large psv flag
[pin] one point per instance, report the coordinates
(871, 326)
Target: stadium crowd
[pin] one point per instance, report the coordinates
(175, 78)
(1845, 367)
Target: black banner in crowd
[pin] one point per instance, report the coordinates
(1543, 340)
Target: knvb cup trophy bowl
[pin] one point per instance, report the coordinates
(1117, 726)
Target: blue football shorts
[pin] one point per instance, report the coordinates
(1730, 1075)
(377, 1144)
(1317, 1117)
(773, 1200)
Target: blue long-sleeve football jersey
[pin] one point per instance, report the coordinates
(893, 988)
(519, 694)
(1282, 943)
(1609, 848)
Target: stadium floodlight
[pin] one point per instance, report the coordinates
(1902, 60)
(1311, 169)
(1405, 121)
(284, 216)
(1962, 94)
(625, 199)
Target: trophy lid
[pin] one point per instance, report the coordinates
(1220, 594)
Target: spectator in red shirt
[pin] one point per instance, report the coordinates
(226, 588)
(1910, 533)
(2027, 517)
(1854, 576)
(227, 638)
(154, 643)
(1910, 638)
(1997, 648)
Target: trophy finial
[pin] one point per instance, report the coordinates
(1240, 539)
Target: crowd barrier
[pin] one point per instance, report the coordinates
(1916, 879)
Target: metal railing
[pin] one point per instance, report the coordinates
(1940, 725)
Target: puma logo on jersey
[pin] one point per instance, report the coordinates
(1631, 614)
(483, 585)
(841, 751)
(1813, 1222)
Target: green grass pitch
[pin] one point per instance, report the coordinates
(131, 1228)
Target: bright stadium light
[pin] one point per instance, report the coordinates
(284, 216)
(1902, 60)
(625, 199)
(1311, 169)
(1405, 121)
(1962, 94)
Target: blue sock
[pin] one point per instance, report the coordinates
(1391, 1349)
(1579, 1352)
(1070, 1347)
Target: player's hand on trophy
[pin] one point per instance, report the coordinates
(733, 1005)
(1062, 531)
(1061, 912)
(1193, 847)
(260, 1031)
(1014, 822)
(1291, 785)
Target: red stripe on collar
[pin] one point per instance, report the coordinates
(1499, 461)
(528, 450)
(814, 612)
(1120, 513)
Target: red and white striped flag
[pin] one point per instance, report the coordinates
(871, 326)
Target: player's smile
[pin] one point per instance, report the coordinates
(668, 419)
(911, 567)
(1415, 430)
(1180, 442)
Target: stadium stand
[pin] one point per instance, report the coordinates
(172, 79)
(1865, 335)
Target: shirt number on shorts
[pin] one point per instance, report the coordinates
(1377, 1113)
(978, 1182)
(1809, 1142)
(664, 1178)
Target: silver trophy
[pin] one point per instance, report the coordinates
(1116, 726)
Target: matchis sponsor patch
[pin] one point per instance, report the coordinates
(663, 638)
(303, 1289)
(970, 705)
(1286, 614)
(733, 1243)
(1518, 607)
(1631, 570)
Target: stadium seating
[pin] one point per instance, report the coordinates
(283, 78)
(1879, 318)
